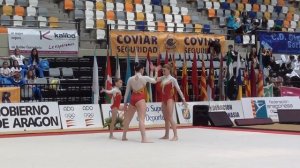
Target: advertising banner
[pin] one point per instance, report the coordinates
(80, 116)
(140, 43)
(280, 42)
(289, 91)
(55, 42)
(10, 94)
(263, 107)
(154, 116)
(29, 116)
(232, 108)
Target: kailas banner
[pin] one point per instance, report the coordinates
(54, 42)
(280, 42)
(132, 42)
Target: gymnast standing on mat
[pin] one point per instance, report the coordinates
(168, 85)
(136, 85)
(116, 104)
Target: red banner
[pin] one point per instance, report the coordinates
(289, 91)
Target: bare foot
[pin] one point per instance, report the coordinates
(146, 141)
(124, 139)
(112, 137)
(164, 137)
(175, 138)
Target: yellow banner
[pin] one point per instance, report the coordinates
(132, 42)
(9, 95)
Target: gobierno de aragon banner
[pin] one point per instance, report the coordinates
(137, 42)
(29, 116)
(47, 41)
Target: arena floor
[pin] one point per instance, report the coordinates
(197, 147)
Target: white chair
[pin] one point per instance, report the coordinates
(291, 30)
(33, 3)
(248, 7)
(175, 10)
(263, 8)
(110, 6)
(149, 16)
(208, 5)
(131, 25)
(121, 25)
(184, 10)
(119, 7)
(270, 8)
(89, 14)
(18, 20)
(42, 21)
(99, 15)
(179, 27)
(139, 8)
(293, 24)
(151, 25)
(177, 18)
(89, 23)
(285, 9)
(296, 17)
(216, 5)
(112, 23)
(173, 2)
(274, 2)
(89, 5)
(101, 34)
(170, 27)
(168, 18)
(31, 11)
(10, 2)
(270, 24)
(130, 15)
(148, 8)
(148, 2)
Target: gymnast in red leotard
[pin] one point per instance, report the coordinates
(169, 84)
(136, 85)
(116, 104)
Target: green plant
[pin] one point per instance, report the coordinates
(118, 124)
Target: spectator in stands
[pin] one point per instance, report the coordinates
(232, 52)
(232, 25)
(297, 63)
(16, 79)
(34, 62)
(31, 81)
(264, 23)
(253, 57)
(5, 73)
(291, 61)
(18, 57)
(266, 57)
(16, 68)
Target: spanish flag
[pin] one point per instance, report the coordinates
(184, 81)
(203, 93)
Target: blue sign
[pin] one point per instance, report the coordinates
(280, 42)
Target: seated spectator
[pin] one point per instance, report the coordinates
(31, 81)
(264, 23)
(266, 57)
(34, 62)
(297, 63)
(16, 79)
(18, 57)
(16, 68)
(5, 73)
(253, 57)
(292, 61)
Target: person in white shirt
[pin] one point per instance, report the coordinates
(136, 85)
(18, 57)
(16, 68)
(5, 71)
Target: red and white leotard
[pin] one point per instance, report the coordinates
(117, 97)
(169, 83)
(137, 84)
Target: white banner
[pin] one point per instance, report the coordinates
(80, 116)
(60, 42)
(29, 116)
(154, 116)
(263, 107)
(232, 108)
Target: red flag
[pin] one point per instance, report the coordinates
(158, 84)
(167, 57)
(184, 81)
(260, 89)
(203, 94)
(195, 78)
(211, 80)
(253, 81)
(247, 83)
(108, 82)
